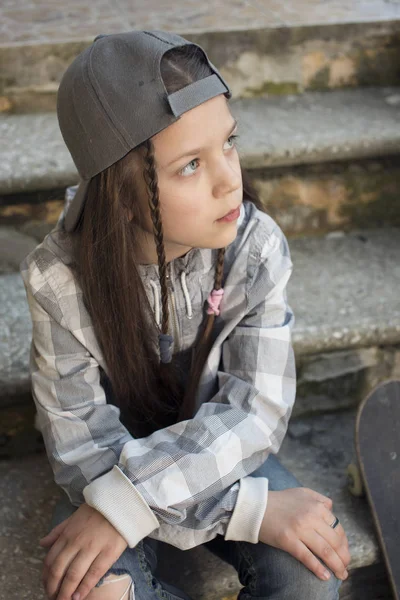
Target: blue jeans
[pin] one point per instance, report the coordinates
(264, 571)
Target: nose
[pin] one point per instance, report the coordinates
(227, 177)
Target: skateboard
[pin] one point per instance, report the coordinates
(376, 473)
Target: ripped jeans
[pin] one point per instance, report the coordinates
(265, 572)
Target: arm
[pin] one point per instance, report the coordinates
(190, 470)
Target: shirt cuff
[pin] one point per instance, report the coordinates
(117, 499)
(249, 510)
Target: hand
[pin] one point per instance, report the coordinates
(83, 548)
(298, 521)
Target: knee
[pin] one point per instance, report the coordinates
(277, 574)
(303, 586)
(309, 586)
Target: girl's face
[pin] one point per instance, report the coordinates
(199, 180)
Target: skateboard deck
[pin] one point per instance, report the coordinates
(377, 441)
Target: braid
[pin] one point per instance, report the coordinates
(202, 350)
(203, 347)
(219, 271)
(151, 178)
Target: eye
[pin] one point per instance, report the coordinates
(183, 171)
(233, 137)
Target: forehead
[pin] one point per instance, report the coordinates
(210, 117)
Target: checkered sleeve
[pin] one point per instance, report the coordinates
(192, 480)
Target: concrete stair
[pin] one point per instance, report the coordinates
(318, 161)
(317, 96)
(262, 48)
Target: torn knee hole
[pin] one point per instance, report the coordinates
(128, 587)
(112, 578)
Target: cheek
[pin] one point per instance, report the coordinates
(183, 222)
(182, 207)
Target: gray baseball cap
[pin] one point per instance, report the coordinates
(112, 98)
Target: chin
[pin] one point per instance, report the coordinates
(231, 233)
(222, 240)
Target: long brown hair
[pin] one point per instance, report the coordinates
(149, 393)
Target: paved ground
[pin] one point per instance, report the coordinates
(43, 20)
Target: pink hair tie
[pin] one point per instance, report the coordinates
(214, 300)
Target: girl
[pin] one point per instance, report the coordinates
(161, 360)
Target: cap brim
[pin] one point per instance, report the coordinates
(76, 207)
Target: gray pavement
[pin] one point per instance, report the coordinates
(44, 21)
(345, 290)
(14, 246)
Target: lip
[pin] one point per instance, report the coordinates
(230, 213)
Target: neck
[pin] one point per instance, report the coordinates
(147, 255)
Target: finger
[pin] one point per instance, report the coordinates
(77, 569)
(321, 498)
(345, 541)
(49, 560)
(83, 574)
(53, 534)
(329, 519)
(337, 539)
(49, 541)
(57, 568)
(300, 551)
(321, 547)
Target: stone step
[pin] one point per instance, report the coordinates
(316, 449)
(343, 292)
(320, 161)
(262, 48)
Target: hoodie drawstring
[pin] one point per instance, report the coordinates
(189, 312)
(166, 340)
(157, 301)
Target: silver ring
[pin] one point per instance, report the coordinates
(335, 523)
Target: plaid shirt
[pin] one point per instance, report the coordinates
(188, 482)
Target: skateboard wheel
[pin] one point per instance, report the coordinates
(355, 484)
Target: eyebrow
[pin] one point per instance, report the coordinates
(198, 150)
